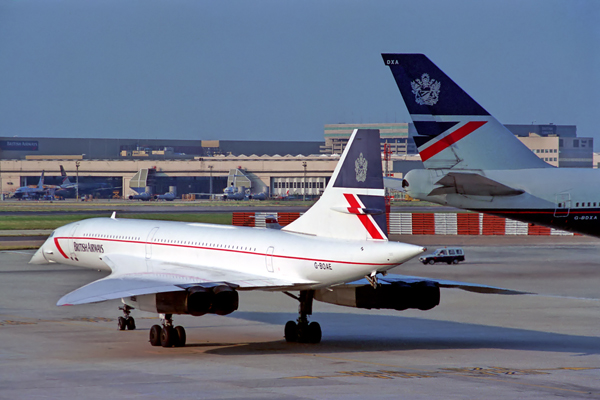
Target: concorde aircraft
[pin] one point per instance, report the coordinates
(473, 162)
(337, 252)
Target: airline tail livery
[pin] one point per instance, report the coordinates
(473, 162)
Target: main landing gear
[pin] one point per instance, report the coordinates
(302, 331)
(127, 321)
(167, 335)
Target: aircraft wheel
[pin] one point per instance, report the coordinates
(314, 332)
(167, 336)
(155, 334)
(130, 323)
(122, 323)
(180, 336)
(431, 262)
(291, 332)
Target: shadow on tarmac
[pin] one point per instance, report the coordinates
(344, 333)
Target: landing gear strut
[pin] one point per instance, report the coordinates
(302, 331)
(126, 321)
(167, 335)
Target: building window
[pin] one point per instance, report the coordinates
(576, 143)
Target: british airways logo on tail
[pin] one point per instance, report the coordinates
(426, 90)
(360, 167)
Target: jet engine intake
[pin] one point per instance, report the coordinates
(423, 295)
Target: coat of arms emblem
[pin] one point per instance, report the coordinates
(426, 90)
(360, 166)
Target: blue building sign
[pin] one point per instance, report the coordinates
(19, 145)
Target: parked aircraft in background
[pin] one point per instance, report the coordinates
(473, 162)
(144, 196)
(259, 196)
(192, 268)
(169, 196)
(235, 193)
(68, 189)
(34, 192)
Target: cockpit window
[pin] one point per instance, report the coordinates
(52, 234)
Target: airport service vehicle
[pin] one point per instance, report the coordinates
(449, 255)
(337, 252)
(473, 162)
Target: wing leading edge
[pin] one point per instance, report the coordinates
(178, 278)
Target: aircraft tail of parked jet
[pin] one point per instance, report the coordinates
(65, 179)
(40, 184)
(473, 162)
(356, 194)
(454, 131)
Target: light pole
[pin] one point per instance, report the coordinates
(304, 184)
(77, 164)
(210, 167)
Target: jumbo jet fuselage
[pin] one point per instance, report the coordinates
(313, 262)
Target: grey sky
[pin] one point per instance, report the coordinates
(280, 70)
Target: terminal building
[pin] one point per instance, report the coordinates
(205, 167)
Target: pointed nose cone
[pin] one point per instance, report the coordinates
(408, 251)
(38, 257)
(416, 250)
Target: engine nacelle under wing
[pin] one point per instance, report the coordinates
(396, 296)
(197, 301)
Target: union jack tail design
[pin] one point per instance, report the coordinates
(353, 204)
(454, 131)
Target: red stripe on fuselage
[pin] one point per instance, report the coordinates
(59, 248)
(449, 140)
(188, 246)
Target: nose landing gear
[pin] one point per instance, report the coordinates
(127, 321)
(167, 335)
(302, 331)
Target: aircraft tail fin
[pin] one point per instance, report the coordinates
(353, 204)
(454, 131)
(41, 181)
(65, 178)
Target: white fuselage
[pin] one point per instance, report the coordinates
(308, 261)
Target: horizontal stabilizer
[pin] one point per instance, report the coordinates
(393, 183)
(472, 184)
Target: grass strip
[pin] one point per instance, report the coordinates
(27, 222)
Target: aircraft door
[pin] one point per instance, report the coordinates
(269, 258)
(563, 205)
(72, 243)
(149, 239)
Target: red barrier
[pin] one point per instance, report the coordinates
(287, 218)
(538, 230)
(467, 224)
(423, 224)
(243, 219)
(493, 225)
